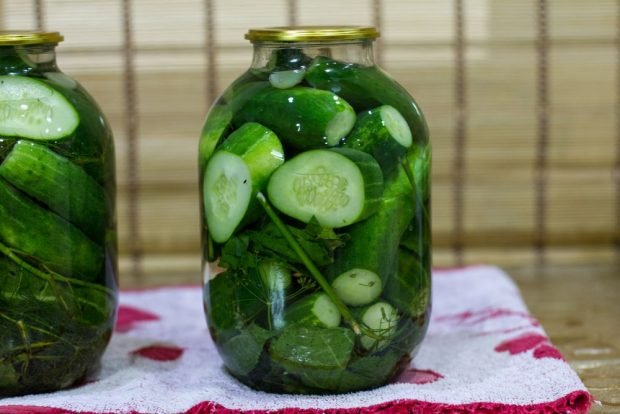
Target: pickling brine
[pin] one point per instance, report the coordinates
(57, 221)
(314, 175)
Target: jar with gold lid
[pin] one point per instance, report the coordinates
(58, 272)
(314, 173)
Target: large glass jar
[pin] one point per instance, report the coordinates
(314, 172)
(57, 221)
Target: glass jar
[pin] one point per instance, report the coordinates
(58, 272)
(314, 172)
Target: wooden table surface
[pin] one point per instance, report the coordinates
(579, 307)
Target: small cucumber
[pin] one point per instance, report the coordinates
(316, 309)
(215, 127)
(236, 172)
(358, 287)
(58, 183)
(286, 79)
(41, 234)
(337, 186)
(303, 118)
(29, 108)
(383, 133)
(382, 319)
(373, 243)
(366, 87)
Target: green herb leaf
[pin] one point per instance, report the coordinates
(242, 352)
(298, 348)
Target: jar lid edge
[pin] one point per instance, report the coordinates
(311, 33)
(25, 37)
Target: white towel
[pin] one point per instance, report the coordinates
(483, 352)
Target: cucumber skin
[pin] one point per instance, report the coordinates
(39, 233)
(299, 115)
(215, 128)
(55, 181)
(373, 243)
(371, 136)
(366, 87)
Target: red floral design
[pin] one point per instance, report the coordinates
(129, 316)
(419, 376)
(160, 352)
(528, 341)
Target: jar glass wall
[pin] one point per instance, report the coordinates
(58, 271)
(314, 173)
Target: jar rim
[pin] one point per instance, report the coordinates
(311, 33)
(25, 37)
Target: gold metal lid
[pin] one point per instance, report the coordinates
(311, 33)
(23, 37)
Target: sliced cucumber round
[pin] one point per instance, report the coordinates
(316, 309)
(358, 287)
(29, 108)
(338, 187)
(227, 188)
(382, 319)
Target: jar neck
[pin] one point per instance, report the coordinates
(41, 58)
(359, 52)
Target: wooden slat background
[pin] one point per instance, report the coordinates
(521, 98)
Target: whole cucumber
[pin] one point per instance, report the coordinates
(366, 87)
(383, 133)
(41, 234)
(58, 183)
(373, 243)
(302, 117)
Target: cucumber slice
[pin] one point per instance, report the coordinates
(338, 187)
(303, 118)
(383, 133)
(382, 319)
(358, 287)
(316, 309)
(31, 109)
(36, 232)
(55, 181)
(286, 79)
(236, 172)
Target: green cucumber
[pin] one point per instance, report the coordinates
(338, 187)
(409, 288)
(383, 133)
(34, 231)
(302, 117)
(382, 318)
(316, 309)
(373, 243)
(366, 87)
(358, 287)
(236, 172)
(29, 108)
(288, 59)
(215, 128)
(58, 183)
(286, 79)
